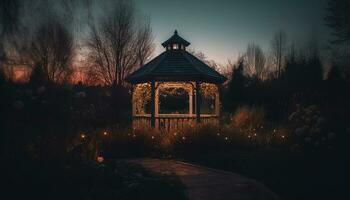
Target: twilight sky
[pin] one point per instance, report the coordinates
(222, 28)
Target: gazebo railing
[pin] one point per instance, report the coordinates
(172, 122)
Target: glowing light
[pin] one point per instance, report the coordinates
(184, 138)
(105, 133)
(175, 134)
(218, 134)
(255, 134)
(82, 136)
(226, 138)
(100, 159)
(134, 136)
(283, 136)
(249, 136)
(152, 137)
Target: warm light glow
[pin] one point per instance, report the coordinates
(100, 159)
(105, 133)
(82, 136)
(184, 138)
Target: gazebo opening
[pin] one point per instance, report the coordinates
(173, 101)
(175, 90)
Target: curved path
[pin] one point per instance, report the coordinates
(209, 184)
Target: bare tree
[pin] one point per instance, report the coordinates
(255, 61)
(337, 18)
(201, 56)
(116, 45)
(9, 18)
(52, 49)
(278, 50)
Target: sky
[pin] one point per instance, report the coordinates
(222, 29)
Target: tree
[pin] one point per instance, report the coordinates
(52, 49)
(237, 84)
(338, 19)
(118, 44)
(278, 51)
(255, 61)
(201, 56)
(9, 19)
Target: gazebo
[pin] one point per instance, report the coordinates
(175, 90)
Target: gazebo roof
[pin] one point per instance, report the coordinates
(175, 39)
(175, 65)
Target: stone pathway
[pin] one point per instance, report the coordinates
(208, 184)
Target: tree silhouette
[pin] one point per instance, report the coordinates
(118, 43)
(52, 50)
(255, 61)
(236, 88)
(338, 19)
(278, 50)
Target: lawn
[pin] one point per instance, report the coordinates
(112, 180)
(293, 176)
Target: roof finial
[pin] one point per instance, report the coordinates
(175, 32)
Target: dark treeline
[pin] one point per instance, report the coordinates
(44, 118)
(48, 106)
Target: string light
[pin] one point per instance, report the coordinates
(100, 159)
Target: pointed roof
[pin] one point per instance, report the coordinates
(175, 39)
(175, 65)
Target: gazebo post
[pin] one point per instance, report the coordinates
(153, 106)
(217, 101)
(190, 102)
(198, 102)
(156, 105)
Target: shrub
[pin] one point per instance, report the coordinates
(247, 118)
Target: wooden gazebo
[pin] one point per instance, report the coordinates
(175, 71)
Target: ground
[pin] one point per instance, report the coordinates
(209, 184)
